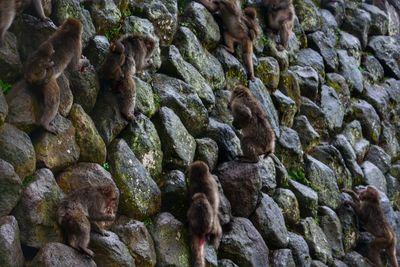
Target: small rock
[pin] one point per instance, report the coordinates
(10, 246)
(174, 194)
(282, 258)
(289, 205)
(373, 176)
(300, 251)
(207, 151)
(308, 136)
(308, 79)
(289, 148)
(379, 158)
(330, 224)
(11, 188)
(307, 198)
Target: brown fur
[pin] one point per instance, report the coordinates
(81, 211)
(367, 207)
(67, 45)
(203, 212)
(39, 67)
(128, 54)
(240, 27)
(9, 8)
(280, 19)
(258, 138)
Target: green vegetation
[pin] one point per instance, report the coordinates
(298, 175)
(5, 87)
(114, 32)
(147, 222)
(106, 166)
(27, 181)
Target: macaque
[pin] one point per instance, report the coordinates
(203, 212)
(240, 27)
(67, 46)
(82, 210)
(258, 137)
(367, 207)
(280, 19)
(128, 54)
(38, 68)
(9, 9)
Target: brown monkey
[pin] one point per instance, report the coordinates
(240, 27)
(367, 207)
(67, 45)
(128, 54)
(203, 212)
(280, 19)
(39, 66)
(258, 137)
(81, 211)
(9, 8)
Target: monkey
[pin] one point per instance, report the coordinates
(203, 212)
(128, 55)
(280, 19)
(10, 8)
(367, 207)
(38, 68)
(67, 45)
(258, 137)
(82, 210)
(239, 27)
(112, 67)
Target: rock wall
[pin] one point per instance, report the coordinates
(333, 100)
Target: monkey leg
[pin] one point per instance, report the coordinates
(198, 250)
(51, 94)
(229, 42)
(374, 252)
(127, 93)
(284, 35)
(79, 235)
(392, 255)
(249, 151)
(248, 58)
(216, 234)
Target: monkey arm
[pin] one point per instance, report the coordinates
(211, 5)
(39, 9)
(241, 115)
(99, 216)
(353, 194)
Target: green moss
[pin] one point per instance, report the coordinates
(147, 222)
(298, 175)
(106, 166)
(27, 181)
(114, 32)
(5, 87)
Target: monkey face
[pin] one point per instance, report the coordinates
(369, 194)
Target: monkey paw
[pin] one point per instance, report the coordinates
(52, 129)
(280, 47)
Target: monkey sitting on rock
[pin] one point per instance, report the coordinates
(258, 137)
(10, 8)
(203, 212)
(61, 50)
(83, 210)
(128, 54)
(240, 27)
(280, 19)
(367, 207)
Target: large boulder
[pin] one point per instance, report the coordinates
(140, 197)
(244, 245)
(36, 211)
(10, 246)
(10, 188)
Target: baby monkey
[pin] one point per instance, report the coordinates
(280, 19)
(258, 137)
(203, 212)
(82, 210)
(367, 207)
(240, 27)
(39, 66)
(128, 54)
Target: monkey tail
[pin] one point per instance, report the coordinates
(251, 22)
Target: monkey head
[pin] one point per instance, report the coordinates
(239, 91)
(197, 170)
(110, 195)
(73, 27)
(370, 194)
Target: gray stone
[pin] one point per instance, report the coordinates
(282, 258)
(289, 147)
(10, 188)
(308, 79)
(332, 107)
(330, 224)
(140, 196)
(319, 247)
(369, 119)
(170, 241)
(353, 259)
(386, 50)
(17, 149)
(35, 211)
(3, 108)
(10, 246)
(320, 42)
(379, 158)
(289, 205)
(357, 22)
(373, 176)
(183, 100)
(241, 183)
(300, 251)
(270, 223)
(308, 136)
(310, 58)
(244, 245)
(286, 107)
(110, 250)
(349, 70)
(207, 151)
(378, 97)
(314, 115)
(323, 180)
(174, 193)
(178, 145)
(307, 198)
